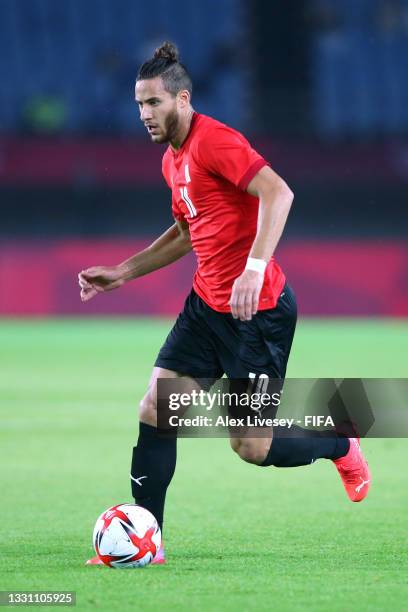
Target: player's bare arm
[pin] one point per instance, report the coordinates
(275, 200)
(170, 246)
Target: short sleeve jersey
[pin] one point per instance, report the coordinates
(208, 177)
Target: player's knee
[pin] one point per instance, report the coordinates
(235, 444)
(250, 451)
(148, 410)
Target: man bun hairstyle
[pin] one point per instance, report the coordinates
(167, 51)
(165, 64)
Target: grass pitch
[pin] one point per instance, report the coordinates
(237, 536)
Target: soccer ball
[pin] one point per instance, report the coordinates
(126, 535)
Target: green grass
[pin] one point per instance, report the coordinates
(237, 537)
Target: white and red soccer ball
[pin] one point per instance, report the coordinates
(126, 535)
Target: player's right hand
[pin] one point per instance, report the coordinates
(99, 279)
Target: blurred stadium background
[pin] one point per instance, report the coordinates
(319, 86)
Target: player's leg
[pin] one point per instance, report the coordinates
(262, 347)
(153, 459)
(267, 341)
(154, 456)
(306, 447)
(273, 446)
(187, 352)
(275, 329)
(301, 447)
(254, 447)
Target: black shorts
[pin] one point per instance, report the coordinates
(206, 344)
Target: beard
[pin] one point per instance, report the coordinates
(170, 126)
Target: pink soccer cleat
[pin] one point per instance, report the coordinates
(94, 561)
(354, 472)
(158, 560)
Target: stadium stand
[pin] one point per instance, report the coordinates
(83, 58)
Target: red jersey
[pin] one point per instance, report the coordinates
(208, 177)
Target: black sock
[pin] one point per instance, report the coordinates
(305, 448)
(153, 465)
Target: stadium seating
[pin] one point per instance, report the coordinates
(78, 60)
(85, 56)
(359, 71)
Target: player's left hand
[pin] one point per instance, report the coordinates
(245, 295)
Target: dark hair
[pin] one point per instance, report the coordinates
(165, 64)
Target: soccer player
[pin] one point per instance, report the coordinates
(230, 207)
